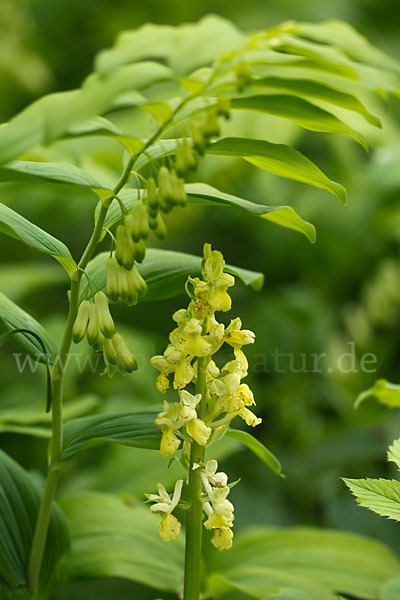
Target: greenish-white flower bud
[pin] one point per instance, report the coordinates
(180, 197)
(137, 222)
(198, 137)
(224, 107)
(112, 269)
(93, 332)
(139, 250)
(165, 190)
(184, 158)
(81, 322)
(109, 352)
(123, 248)
(151, 199)
(105, 319)
(138, 281)
(126, 360)
(160, 229)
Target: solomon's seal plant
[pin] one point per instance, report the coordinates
(160, 100)
(204, 416)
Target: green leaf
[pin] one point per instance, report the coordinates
(383, 391)
(278, 159)
(391, 589)
(201, 193)
(382, 496)
(165, 272)
(33, 172)
(257, 448)
(114, 539)
(129, 429)
(300, 111)
(286, 216)
(13, 317)
(19, 506)
(99, 126)
(394, 453)
(319, 91)
(18, 279)
(293, 594)
(161, 111)
(16, 226)
(334, 561)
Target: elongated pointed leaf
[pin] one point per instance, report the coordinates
(99, 126)
(33, 172)
(129, 429)
(257, 448)
(278, 159)
(114, 539)
(335, 561)
(165, 272)
(13, 317)
(19, 506)
(300, 111)
(319, 91)
(201, 193)
(382, 496)
(394, 453)
(16, 226)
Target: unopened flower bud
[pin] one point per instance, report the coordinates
(123, 249)
(138, 250)
(243, 76)
(159, 227)
(93, 330)
(138, 281)
(224, 107)
(211, 127)
(137, 223)
(112, 279)
(109, 352)
(151, 199)
(105, 320)
(198, 138)
(126, 360)
(165, 191)
(81, 322)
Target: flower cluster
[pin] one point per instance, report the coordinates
(204, 417)
(206, 127)
(96, 323)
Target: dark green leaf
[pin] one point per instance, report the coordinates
(19, 506)
(129, 429)
(165, 272)
(13, 317)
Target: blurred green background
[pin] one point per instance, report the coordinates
(317, 298)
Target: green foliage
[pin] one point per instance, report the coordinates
(19, 505)
(379, 495)
(257, 448)
(384, 392)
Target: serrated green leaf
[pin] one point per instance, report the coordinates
(318, 91)
(19, 506)
(382, 496)
(278, 159)
(111, 538)
(165, 272)
(299, 111)
(394, 453)
(383, 391)
(336, 561)
(13, 317)
(129, 429)
(257, 448)
(16, 226)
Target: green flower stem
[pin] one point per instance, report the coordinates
(194, 521)
(57, 376)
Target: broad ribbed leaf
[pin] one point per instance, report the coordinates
(334, 561)
(293, 594)
(113, 539)
(300, 111)
(319, 91)
(99, 126)
(19, 506)
(257, 448)
(383, 391)
(13, 317)
(382, 496)
(16, 226)
(390, 590)
(129, 429)
(165, 272)
(278, 159)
